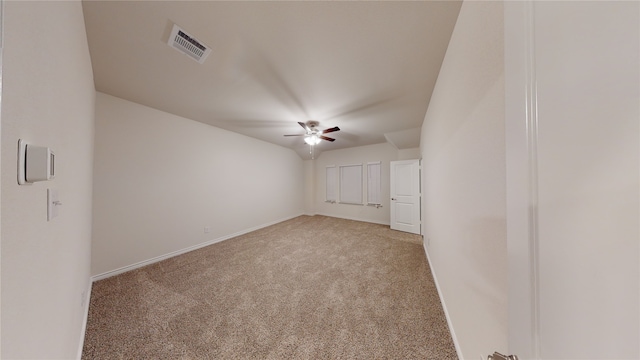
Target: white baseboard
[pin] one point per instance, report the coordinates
(140, 264)
(444, 305)
(355, 219)
(87, 299)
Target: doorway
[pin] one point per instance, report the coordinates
(405, 196)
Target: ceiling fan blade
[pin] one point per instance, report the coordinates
(296, 135)
(326, 138)
(304, 126)
(335, 128)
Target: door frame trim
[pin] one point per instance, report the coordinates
(419, 185)
(521, 136)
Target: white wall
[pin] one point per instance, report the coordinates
(409, 154)
(573, 183)
(159, 179)
(463, 152)
(358, 155)
(47, 99)
(584, 60)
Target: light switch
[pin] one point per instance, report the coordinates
(53, 203)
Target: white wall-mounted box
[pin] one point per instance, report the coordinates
(35, 163)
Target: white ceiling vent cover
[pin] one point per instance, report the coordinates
(188, 45)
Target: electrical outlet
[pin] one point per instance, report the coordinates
(83, 298)
(207, 229)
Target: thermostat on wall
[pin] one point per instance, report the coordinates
(35, 163)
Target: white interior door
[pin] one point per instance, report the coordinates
(572, 179)
(405, 196)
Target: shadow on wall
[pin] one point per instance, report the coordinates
(487, 256)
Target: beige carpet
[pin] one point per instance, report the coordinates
(308, 288)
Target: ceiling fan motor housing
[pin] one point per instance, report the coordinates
(312, 124)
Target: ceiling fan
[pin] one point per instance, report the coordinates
(313, 135)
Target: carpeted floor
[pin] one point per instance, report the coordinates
(308, 288)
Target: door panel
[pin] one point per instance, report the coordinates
(404, 214)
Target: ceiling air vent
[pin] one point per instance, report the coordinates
(188, 45)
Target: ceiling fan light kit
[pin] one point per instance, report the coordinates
(312, 139)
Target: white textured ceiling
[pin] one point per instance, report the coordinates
(367, 67)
